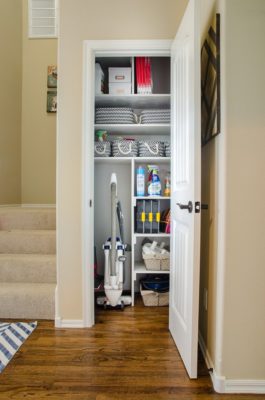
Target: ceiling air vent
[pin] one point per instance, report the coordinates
(43, 16)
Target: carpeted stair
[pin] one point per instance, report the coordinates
(27, 263)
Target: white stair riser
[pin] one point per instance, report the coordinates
(28, 242)
(40, 269)
(27, 219)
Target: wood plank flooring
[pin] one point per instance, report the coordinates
(126, 355)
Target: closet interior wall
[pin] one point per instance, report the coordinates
(125, 167)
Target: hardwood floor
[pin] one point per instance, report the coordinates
(126, 355)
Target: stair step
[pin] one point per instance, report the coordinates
(31, 268)
(27, 218)
(27, 300)
(28, 242)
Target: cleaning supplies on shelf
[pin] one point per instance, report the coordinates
(140, 181)
(101, 136)
(167, 190)
(153, 184)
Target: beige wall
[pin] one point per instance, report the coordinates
(10, 101)
(242, 350)
(38, 164)
(244, 317)
(117, 19)
(237, 347)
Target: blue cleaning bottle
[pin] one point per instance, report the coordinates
(140, 184)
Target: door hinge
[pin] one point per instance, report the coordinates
(90, 203)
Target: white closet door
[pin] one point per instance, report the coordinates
(185, 223)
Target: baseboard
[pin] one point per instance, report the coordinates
(28, 205)
(252, 386)
(217, 380)
(69, 323)
(223, 385)
(38, 205)
(9, 205)
(56, 300)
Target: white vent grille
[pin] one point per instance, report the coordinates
(43, 16)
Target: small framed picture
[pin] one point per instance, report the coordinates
(52, 76)
(52, 101)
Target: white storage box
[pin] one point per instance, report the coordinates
(99, 79)
(120, 89)
(120, 75)
(120, 81)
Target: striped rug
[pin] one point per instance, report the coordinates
(12, 336)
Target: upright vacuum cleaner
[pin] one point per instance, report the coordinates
(114, 250)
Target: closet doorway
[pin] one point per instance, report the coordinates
(184, 134)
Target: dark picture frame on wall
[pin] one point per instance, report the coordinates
(52, 89)
(210, 83)
(51, 101)
(52, 76)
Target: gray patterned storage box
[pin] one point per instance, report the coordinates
(151, 148)
(125, 148)
(102, 149)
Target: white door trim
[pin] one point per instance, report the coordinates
(91, 49)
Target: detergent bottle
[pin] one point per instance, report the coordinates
(167, 190)
(154, 184)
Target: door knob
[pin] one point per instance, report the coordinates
(188, 206)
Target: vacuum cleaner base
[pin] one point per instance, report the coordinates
(123, 301)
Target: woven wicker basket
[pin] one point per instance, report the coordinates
(157, 263)
(154, 299)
